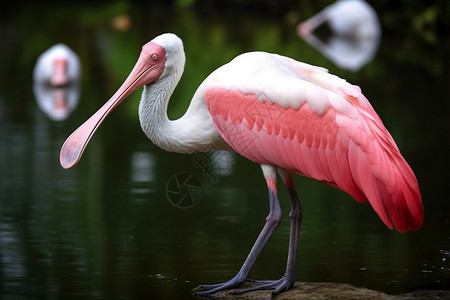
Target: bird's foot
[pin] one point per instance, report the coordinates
(207, 289)
(278, 286)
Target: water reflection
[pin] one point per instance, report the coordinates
(57, 102)
(214, 164)
(36, 226)
(347, 32)
(222, 162)
(143, 166)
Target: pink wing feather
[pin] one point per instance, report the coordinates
(355, 154)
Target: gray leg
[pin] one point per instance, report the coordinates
(288, 280)
(272, 222)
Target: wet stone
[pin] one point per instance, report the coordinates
(324, 290)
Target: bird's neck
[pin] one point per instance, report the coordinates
(193, 132)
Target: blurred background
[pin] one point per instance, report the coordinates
(110, 228)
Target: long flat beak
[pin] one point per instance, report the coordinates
(59, 76)
(148, 68)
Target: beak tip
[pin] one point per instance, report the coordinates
(66, 163)
(69, 156)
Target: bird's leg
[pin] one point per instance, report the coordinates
(288, 280)
(272, 222)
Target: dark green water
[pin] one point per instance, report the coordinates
(107, 228)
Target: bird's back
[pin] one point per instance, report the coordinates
(282, 112)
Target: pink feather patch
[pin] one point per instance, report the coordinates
(356, 154)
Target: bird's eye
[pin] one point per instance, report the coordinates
(154, 56)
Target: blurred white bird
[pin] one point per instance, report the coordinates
(56, 81)
(355, 33)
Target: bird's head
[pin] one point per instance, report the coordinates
(174, 52)
(158, 58)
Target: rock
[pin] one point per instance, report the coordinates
(324, 290)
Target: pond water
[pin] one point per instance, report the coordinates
(116, 226)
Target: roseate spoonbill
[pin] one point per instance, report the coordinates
(288, 116)
(58, 66)
(56, 81)
(355, 33)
